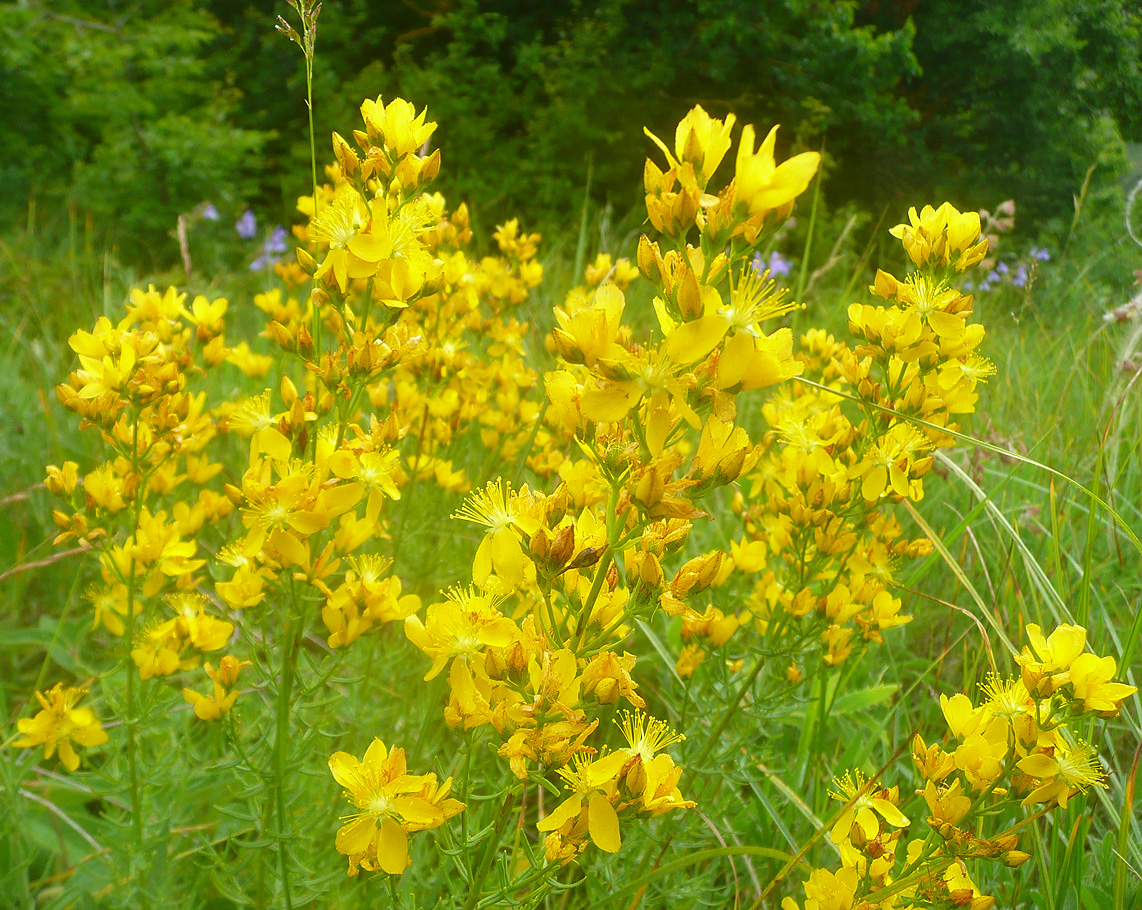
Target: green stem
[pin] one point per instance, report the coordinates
(715, 735)
(131, 721)
(281, 740)
(596, 587)
(477, 888)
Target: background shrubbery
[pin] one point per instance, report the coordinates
(137, 113)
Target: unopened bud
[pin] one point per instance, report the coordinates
(289, 391)
(650, 260)
(563, 545)
(1015, 858)
(306, 261)
(429, 168)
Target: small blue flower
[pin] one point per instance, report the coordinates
(1001, 269)
(247, 225)
(1020, 277)
(210, 213)
(277, 242)
(1040, 254)
(778, 265)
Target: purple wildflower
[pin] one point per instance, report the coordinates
(277, 242)
(778, 265)
(247, 225)
(210, 213)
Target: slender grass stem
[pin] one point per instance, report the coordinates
(477, 888)
(131, 720)
(281, 746)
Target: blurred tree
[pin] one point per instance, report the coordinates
(529, 95)
(118, 109)
(138, 112)
(1016, 99)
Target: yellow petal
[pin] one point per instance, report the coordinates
(375, 754)
(368, 247)
(564, 812)
(1038, 765)
(692, 341)
(889, 812)
(343, 464)
(418, 811)
(356, 836)
(611, 404)
(946, 325)
(344, 767)
(603, 824)
(272, 443)
(866, 818)
(67, 755)
(498, 634)
(392, 848)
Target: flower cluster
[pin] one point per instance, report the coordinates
(402, 372)
(560, 578)
(1017, 748)
(853, 439)
(143, 508)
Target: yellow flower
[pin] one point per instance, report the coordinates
(864, 805)
(461, 625)
(390, 803)
(501, 511)
(700, 140)
(60, 722)
(1090, 677)
(593, 784)
(760, 183)
(1055, 656)
(588, 326)
(1062, 770)
(826, 890)
(398, 125)
(944, 235)
(215, 706)
(946, 806)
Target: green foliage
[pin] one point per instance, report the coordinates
(1016, 100)
(121, 112)
(532, 97)
(141, 113)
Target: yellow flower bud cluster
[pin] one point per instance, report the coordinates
(832, 466)
(1016, 749)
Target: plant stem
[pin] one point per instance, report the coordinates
(281, 739)
(477, 886)
(131, 721)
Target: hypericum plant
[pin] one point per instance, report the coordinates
(657, 509)
(1017, 750)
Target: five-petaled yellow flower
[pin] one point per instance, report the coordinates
(389, 803)
(59, 724)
